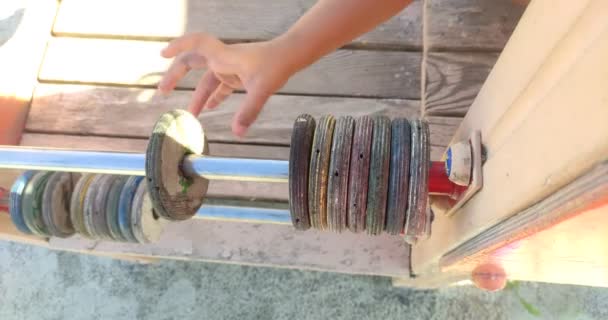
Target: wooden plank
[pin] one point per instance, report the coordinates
(265, 245)
(131, 112)
(560, 239)
(231, 189)
(453, 80)
(535, 142)
(229, 20)
(470, 24)
(23, 37)
(389, 74)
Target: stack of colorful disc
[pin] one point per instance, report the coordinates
(360, 174)
(104, 207)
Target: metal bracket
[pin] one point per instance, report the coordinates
(476, 174)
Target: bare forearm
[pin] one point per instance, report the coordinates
(330, 24)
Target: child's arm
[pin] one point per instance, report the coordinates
(262, 68)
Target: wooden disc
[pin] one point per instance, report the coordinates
(359, 173)
(99, 206)
(399, 177)
(378, 176)
(56, 204)
(16, 199)
(147, 226)
(77, 204)
(319, 170)
(299, 157)
(88, 204)
(112, 208)
(124, 207)
(32, 204)
(174, 196)
(339, 165)
(416, 218)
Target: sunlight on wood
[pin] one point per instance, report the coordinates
(168, 16)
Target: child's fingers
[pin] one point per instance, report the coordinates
(205, 87)
(248, 112)
(178, 69)
(201, 42)
(218, 96)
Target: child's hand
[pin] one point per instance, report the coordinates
(255, 67)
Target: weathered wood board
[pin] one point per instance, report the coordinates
(265, 245)
(131, 112)
(453, 80)
(229, 20)
(471, 24)
(388, 74)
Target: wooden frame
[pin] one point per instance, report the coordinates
(542, 114)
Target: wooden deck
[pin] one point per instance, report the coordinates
(96, 84)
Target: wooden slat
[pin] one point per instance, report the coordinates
(131, 62)
(471, 24)
(229, 20)
(265, 245)
(453, 80)
(560, 239)
(131, 112)
(231, 189)
(23, 37)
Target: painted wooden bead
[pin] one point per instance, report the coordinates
(77, 204)
(174, 196)
(299, 159)
(55, 204)
(358, 179)
(112, 208)
(417, 213)
(378, 176)
(399, 176)
(125, 204)
(32, 203)
(339, 165)
(319, 170)
(146, 225)
(16, 201)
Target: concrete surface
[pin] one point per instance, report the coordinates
(37, 283)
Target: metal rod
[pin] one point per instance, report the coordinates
(245, 211)
(212, 168)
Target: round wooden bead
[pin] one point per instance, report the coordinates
(32, 204)
(112, 208)
(146, 225)
(89, 203)
(174, 196)
(417, 214)
(339, 165)
(16, 199)
(378, 176)
(99, 206)
(399, 177)
(359, 173)
(319, 170)
(77, 204)
(299, 157)
(56, 204)
(125, 202)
